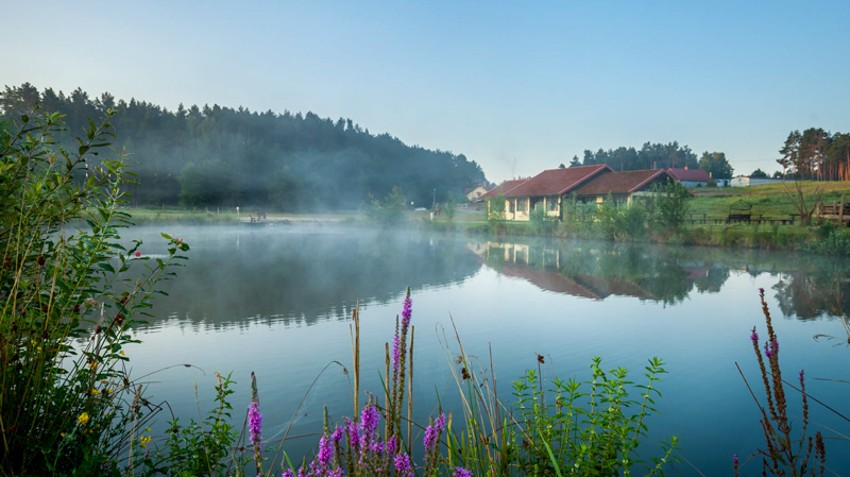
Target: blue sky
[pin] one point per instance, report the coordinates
(516, 86)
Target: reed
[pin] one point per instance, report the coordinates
(786, 452)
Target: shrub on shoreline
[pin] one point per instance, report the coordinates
(69, 296)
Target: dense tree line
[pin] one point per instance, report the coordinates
(657, 156)
(816, 154)
(215, 156)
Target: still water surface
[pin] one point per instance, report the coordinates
(277, 300)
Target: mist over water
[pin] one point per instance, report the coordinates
(277, 300)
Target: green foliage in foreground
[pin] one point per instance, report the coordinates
(69, 296)
(591, 428)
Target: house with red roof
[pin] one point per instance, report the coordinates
(553, 187)
(624, 186)
(547, 190)
(690, 177)
(500, 189)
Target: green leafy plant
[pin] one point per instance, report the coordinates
(389, 210)
(70, 294)
(210, 447)
(670, 205)
(567, 430)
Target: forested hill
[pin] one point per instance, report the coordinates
(222, 157)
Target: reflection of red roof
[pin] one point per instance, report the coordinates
(557, 181)
(626, 182)
(502, 188)
(616, 286)
(550, 281)
(689, 175)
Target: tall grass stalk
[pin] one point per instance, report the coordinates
(786, 452)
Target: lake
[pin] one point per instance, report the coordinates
(277, 300)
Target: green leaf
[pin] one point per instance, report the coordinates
(107, 267)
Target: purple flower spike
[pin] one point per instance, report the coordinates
(255, 423)
(337, 434)
(461, 472)
(326, 451)
(440, 422)
(287, 473)
(768, 351)
(353, 435)
(755, 336)
(407, 311)
(761, 291)
(369, 418)
(430, 439)
(396, 353)
(802, 376)
(432, 433)
(403, 465)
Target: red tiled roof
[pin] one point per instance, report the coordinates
(556, 181)
(625, 182)
(689, 175)
(502, 188)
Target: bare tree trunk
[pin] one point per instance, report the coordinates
(805, 205)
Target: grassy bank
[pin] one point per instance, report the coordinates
(703, 221)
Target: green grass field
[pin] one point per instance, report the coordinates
(769, 201)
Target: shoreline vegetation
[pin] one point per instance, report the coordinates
(69, 405)
(703, 223)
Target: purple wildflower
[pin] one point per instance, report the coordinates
(353, 435)
(430, 439)
(403, 465)
(287, 473)
(771, 348)
(369, 418)
(392, 445)
(326, 451)
(432, 432)
(368, 425)
(802, 375)
(755, 336)
(377, 447)
(396, 353)
(406, 311)
(461, 472)
(440, 422)
(337, 434)
(761, 292)
(255, 423)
